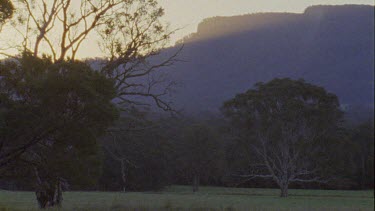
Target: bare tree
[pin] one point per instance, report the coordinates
(114, 150)
(284, 125)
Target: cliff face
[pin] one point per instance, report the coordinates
(331, 46)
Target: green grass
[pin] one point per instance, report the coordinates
(208, 198)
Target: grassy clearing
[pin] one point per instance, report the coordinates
(208, 198)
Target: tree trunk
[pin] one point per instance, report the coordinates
(41, 197)
(123, 175)
(284, 190)
(40, 191)
(45, 194)
(195, 183)
(363, 173)
(48, 191)
(58, 194)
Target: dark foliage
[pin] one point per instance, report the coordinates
(52, 115)
(137, 155)
(6, 10)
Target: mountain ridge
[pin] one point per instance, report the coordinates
(234, 24)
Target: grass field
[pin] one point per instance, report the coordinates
(208, 198)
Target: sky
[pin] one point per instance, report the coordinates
(187, 14)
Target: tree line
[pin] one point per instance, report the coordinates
(150, 153)
(284, 133)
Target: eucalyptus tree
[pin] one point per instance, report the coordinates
(52, 115)
(285, 125)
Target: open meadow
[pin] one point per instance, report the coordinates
(208, 198)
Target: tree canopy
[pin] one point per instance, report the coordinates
(199, 153)
(6, 11)
(52, 114)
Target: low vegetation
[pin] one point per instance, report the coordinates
(208, 198)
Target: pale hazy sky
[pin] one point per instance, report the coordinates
(188, 13)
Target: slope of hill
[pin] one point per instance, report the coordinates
(331, 46)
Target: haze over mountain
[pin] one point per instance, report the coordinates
(331, 46)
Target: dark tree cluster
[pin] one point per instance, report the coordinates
(136, 155)
(52, 115)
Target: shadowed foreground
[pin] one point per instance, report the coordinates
(209, 198)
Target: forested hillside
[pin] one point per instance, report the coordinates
(332, 46)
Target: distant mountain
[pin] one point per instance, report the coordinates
(331, 46)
